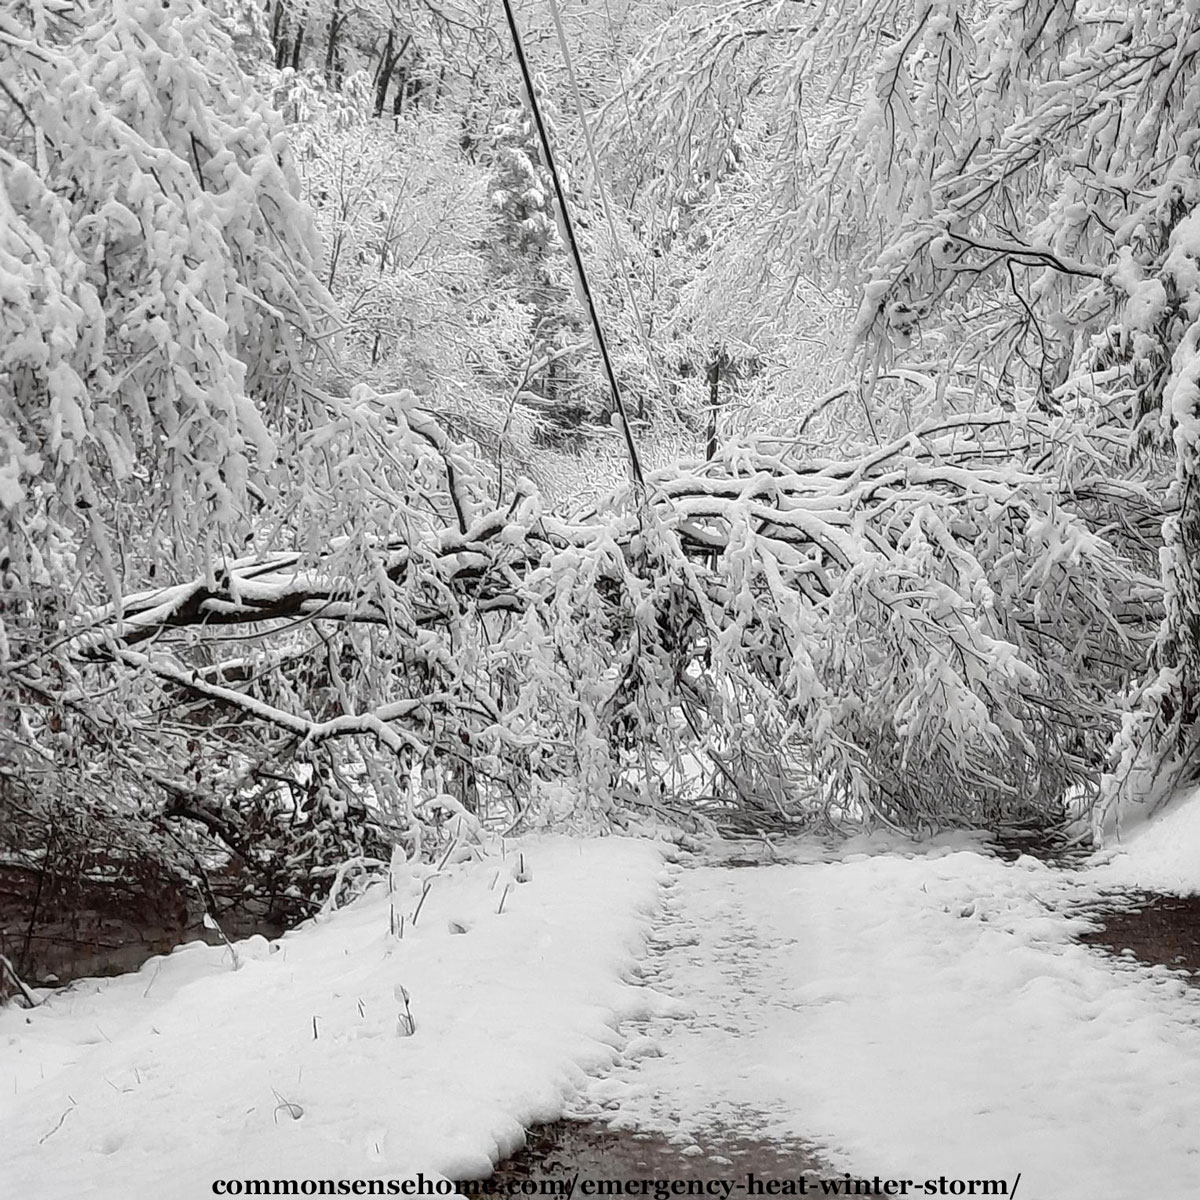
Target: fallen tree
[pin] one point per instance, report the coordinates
(367, 639)
(931, 631)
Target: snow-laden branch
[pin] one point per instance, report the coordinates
(379, 723)
(915, 630)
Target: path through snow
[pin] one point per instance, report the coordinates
(916, 1016)
(912, 1015)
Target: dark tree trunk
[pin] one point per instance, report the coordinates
(279, 34)
(714, 401)
(401, 92)
(383, 59)
(387, 65)
(335, 27)
(297, 47)
(383, 74)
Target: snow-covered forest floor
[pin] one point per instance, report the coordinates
(909, 1012)
(562, 416)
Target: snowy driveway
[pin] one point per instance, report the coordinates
(912, 1016)
(917, 1017)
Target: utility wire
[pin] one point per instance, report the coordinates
(635, 465)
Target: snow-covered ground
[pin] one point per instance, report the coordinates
(912, 1014)
(918, 1016)
(297, 1064)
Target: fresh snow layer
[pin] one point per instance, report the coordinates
(914, 1016)
(1161, 854)
(295, 1065)
(911, 1014)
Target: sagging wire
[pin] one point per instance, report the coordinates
(635, 464)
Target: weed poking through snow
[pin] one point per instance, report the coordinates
(293, 1110)
(210, 922)
(406, 1025)
(424, 893)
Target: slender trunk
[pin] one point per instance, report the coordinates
(401, 93)
(387, 50)
(26, 958)
(714, 400)
(385, 70)
(297, 47)
(279, 34)
(386, 67)
(335, 253)
(335, 26)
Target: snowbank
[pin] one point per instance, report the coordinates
(1161, 854)
(299, 1065)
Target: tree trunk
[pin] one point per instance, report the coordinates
(714, 400)
(401, 93)
(279, 34)
(335, 27)
(384, 72)
(387, 50)
(297, 47)
(386, 66)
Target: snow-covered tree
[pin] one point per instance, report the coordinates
(1008, 193)
(529, 256)
(159, 307)
(291, 588)
(162, 291)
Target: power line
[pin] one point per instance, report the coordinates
(635, 465)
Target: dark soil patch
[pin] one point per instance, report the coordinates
(113, 946)
(1051, 846)
(593, 1150)
(1150, 927)
(113, 925)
